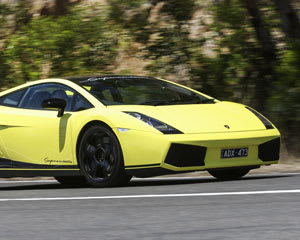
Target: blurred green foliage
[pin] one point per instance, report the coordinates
(284, 104)
(232, 71)
(161, 34)
(73, 44)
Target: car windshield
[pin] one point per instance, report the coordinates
(128, 90)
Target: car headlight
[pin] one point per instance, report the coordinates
(264, 120)
(160, 126)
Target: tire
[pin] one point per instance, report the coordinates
(71, 181)
(229, 174)
(101, 159)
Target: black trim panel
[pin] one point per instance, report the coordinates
(7, 163)
(158, 171)
(264, 120)
(240, 167)
(152, 172)
(146, 165)
(16, 164)
(38, 173)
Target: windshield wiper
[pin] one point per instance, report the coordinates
(208, 100)
(155, 102)
(178, 101)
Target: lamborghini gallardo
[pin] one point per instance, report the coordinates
(102, 130)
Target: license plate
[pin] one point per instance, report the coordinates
(234, 153)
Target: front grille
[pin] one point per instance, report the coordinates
(269, 151)
(183, 155)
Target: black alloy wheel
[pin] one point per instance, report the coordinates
(228, 174)
(101, 159)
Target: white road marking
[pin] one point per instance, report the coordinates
(171, 195)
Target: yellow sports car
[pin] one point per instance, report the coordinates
(102, 130)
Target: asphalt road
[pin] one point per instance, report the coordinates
(256, 207)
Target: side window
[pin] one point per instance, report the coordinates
(37, 94)
(107, 95)
(12, 99)
(80, 103)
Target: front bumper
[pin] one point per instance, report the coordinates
(149, 150)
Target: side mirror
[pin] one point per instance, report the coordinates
(55, 103)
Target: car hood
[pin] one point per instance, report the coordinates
(200, 118)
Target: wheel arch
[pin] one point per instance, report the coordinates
(82, 131)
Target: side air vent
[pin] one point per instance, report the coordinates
(183, 155)
(269, 151)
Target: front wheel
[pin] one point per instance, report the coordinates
(101, 159)
(228, 174)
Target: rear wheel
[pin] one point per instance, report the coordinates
(229, 174)
(71, 181)
(100, 158)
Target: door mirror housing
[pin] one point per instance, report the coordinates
(55, 103)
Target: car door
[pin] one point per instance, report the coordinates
(33, 135)
(11, 100)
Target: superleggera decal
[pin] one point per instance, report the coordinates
(7, 163)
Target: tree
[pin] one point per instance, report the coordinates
(267, 71)
(289, 20)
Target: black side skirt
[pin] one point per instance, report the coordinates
(22, 169)
(38, 173)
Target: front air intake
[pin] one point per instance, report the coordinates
(183, 155)
(269, 151)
